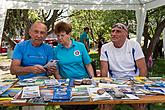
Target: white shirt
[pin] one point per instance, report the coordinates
(121, 60)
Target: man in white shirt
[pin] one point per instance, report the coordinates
(122, 57)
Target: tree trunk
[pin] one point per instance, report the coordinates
(155, 38)
(50, 23)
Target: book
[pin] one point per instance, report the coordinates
(62, 93)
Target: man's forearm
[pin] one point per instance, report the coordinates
(143, 72)
(18, 70)
(104, 68)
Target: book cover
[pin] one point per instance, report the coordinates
(62, 93)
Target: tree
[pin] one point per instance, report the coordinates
(100, 21)
(154, 25)
(21, 19)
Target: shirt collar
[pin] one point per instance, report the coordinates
(73, 44)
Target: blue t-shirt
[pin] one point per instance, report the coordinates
(83, 36)
(72, 60)
(30, 55)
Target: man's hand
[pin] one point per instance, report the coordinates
(51, 70)
(36, 69)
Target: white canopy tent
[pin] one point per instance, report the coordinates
(140, 6)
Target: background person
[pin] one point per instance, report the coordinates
(84, 38)
(30, 56)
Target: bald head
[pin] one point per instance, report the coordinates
(38, 23)
(38, 32)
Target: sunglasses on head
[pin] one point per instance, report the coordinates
(121, 26)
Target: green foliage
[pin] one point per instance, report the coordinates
(33, 15)
(95, 57)
(100, 21)
(155, 16)
(17, 19)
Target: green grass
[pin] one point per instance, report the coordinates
(158, 68)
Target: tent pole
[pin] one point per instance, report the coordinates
(140, 17)
(164, 42)
(3, 12)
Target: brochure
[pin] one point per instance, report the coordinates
(31, 82)
(47, 94)
(11, 92)
(51, 82)
(4, 88)
(95, 95)
(80, 94)
(30, 92)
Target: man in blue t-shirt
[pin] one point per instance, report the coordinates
(30, 56)
(84, 38)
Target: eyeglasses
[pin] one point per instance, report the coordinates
(121, 26)
(61, 36)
